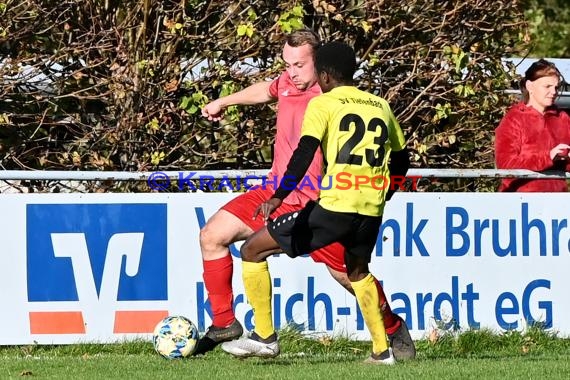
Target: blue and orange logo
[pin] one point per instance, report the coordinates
(83, 259)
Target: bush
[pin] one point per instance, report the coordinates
(118, 85)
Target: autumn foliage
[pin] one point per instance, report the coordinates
(118, 85)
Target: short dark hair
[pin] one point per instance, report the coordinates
(337, 59)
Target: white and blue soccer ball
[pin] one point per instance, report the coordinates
(175, 337)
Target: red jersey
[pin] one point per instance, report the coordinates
(291, 105)
(524, 139)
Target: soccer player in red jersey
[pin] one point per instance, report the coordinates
(358, 134)
(293, 90)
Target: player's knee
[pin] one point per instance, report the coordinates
(246, 252)
(209, 239)
(250, 253)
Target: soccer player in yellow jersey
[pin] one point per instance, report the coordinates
(363, 145)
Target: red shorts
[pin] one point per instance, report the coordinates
(245, 204)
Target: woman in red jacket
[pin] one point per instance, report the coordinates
(535, 134)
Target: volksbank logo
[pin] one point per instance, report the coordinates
(88, 265)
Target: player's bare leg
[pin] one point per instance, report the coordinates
(221, 230)
(341, 278)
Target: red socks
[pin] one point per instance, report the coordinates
(391, 323)
(218, 281)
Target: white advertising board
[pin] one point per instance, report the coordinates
(106, 267)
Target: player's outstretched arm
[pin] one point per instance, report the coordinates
(257, 93)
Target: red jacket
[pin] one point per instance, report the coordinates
(524, 139)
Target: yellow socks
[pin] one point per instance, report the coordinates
(257, 283)
(367, 298)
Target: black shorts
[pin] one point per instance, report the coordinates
(314, 227)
